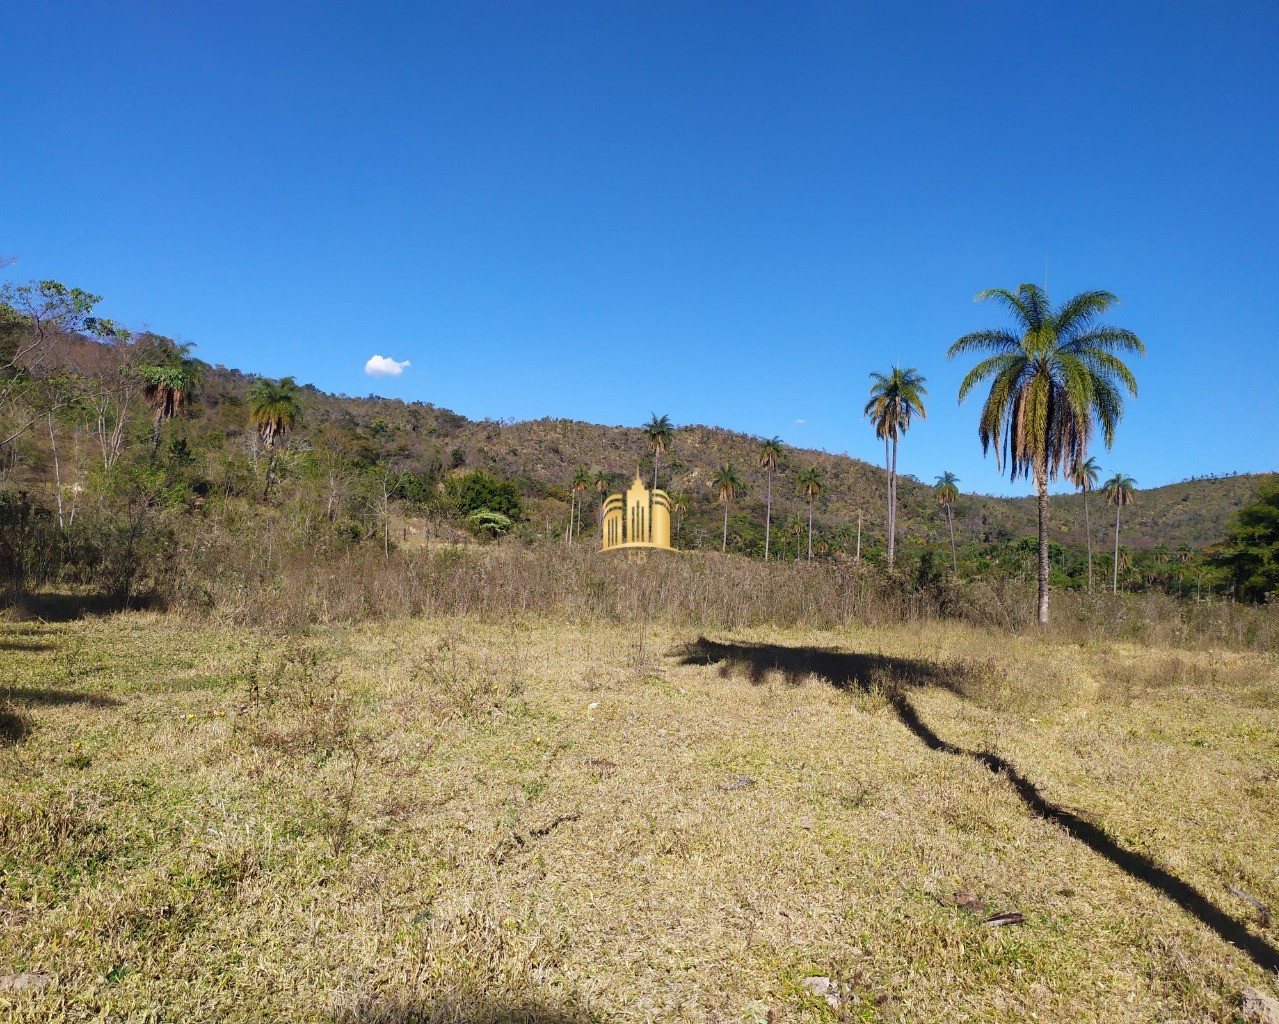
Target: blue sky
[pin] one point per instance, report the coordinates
(729, 213)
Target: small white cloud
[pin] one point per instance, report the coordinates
(801, 422)
(384, 366)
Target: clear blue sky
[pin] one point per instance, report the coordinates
(730, 213)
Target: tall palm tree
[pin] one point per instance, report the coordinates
(1050, 379)
(1084, 477)
(770, 452)
(581, 484)
(274, 409)
(728, 485)
(895, 399)
(659, 433)
(810, 485)
(947, 494)
(1120, 491)
(600, 481)
(168, 385)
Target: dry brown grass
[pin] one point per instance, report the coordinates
(534, 819)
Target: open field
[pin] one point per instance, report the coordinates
(447, 819)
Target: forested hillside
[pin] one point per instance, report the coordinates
(125, 457)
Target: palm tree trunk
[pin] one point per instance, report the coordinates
(888, 468)
(859, 535)
(1041, 486)
(892, 500)
(768, 512)
(655, 454)
(1088, 531)
(1114, 581)
(810, 527)
(724, 547)
(950, 519)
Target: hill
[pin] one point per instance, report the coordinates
(541, 455)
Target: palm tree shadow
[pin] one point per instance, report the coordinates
(860, 671)
(39, 696)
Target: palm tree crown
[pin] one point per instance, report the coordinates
(274, 407)
(1120, 490)
(1084, 475)
(945, 488)
(1052, 379)
(659, 432)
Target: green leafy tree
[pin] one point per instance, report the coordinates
(471, 492)
(728, 485)
(1052, 377)
(275, 406)
(1250, 553)
(1120, 491)
(1084, 476)
(659, 432)
(770, 454)
(895, 399)
(947, 493)
(810, 485)
(168, 382)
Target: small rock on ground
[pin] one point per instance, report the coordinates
(28, 981)
(1258, 1007)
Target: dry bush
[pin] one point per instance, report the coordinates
(462, 682)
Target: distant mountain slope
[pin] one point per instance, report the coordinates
(542, 455)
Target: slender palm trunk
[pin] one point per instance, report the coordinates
(768, 512)
(1088, 532)
(1114, 581)
(655, 456)
(572, 511)
(810, 527)
(892, 535)
(859, 535)
(1041, 486)
(950, 520)
(888, 468)
(724, 547)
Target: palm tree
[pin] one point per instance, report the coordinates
(947, 494)
(168, 386)
(1050, 379)
(1119, 492)
(659, 432)
(600, 480)
(895, 399)
(770, 452)
(1084, 477)
(679, 503)
(728, 484)
(581, 484)
(796, 527)
(810, 485)
(274, 409)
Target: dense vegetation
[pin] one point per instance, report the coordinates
(132, 471)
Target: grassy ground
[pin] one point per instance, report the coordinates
(555, 822)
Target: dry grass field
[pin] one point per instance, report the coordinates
(533, 820)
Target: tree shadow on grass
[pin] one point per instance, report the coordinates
(39, 696)
(860, 671)
(67, 607)
(26, 645)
